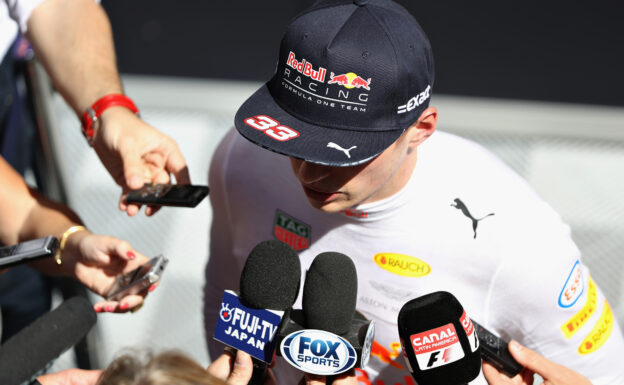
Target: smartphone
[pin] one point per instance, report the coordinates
(180, 195)
(494, 350)
(139, 279)
(27, 251)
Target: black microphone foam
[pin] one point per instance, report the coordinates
(271, 276)
(330, 293)
(30, 350)
(439, 341)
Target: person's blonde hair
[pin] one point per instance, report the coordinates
(166, 368)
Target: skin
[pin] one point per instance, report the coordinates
(553, 374)
(94, 260)
(73, 41)
(333, 189)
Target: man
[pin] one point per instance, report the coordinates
(73, 41)
(365, 175)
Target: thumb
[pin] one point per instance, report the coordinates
(132, 167)
(532, 360)
(241, 370)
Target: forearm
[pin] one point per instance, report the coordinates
(73, 40)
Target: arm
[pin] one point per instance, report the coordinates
(93, 260)
(553, 374)
(73, 41)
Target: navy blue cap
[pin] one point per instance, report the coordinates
(351, 77)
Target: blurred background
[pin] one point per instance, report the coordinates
(538, 83)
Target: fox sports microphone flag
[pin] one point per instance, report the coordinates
(269, 286)
(329, 297)
(439, 341)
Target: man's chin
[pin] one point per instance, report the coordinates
(327, 207)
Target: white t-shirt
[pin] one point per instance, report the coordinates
(14, 14)
(516, 272)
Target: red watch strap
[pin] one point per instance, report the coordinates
(91, 114)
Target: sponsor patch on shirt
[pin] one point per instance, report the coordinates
(600, 333)
(574, 324)
(291, 231)
(573, 287)
(402, 264)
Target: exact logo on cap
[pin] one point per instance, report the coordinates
(318, 352)
(436, 347)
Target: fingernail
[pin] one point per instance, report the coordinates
(124, 306)
(131, 255)
(513, 345)
(98, 309)
(152, 288)
(110, 308)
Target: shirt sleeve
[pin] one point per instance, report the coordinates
(544, 297)
(221, 270)
(20, 10)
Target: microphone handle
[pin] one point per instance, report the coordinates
(258, 375)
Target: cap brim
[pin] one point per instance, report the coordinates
(316, 144)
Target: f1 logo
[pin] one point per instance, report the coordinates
(433, 358)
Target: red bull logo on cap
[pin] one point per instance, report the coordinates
(305, 67)
(350, 80)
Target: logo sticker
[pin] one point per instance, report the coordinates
(470, 330)
(600, 333)
(573, 287)
(318, 352)
(247, 329)
(579, 320)
(271, 128)
(304, 67)
(354, 213)
(436, 347)
(349, 80)
(459, 205)
(395, 293)
(402, 264)
(415, 101)
(345, 150)
(291, 231)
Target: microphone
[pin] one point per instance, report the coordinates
(328, 336)
(269, 285)
(29, 351)
(440, 343)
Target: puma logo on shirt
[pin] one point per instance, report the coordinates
(475, 221)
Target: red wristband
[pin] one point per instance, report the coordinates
(92, 114)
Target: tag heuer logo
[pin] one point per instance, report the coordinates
(291, 231)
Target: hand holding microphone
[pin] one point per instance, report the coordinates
(328, 337)
(269, 286)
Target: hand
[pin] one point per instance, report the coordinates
(553, 374)
(347, 378)
(71, 377)
(135, 153)
(236, 371)
(97, 260)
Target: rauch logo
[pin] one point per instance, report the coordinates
(402, 264)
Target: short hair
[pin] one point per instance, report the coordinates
(166, 368)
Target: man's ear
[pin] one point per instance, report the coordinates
(423, 127)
